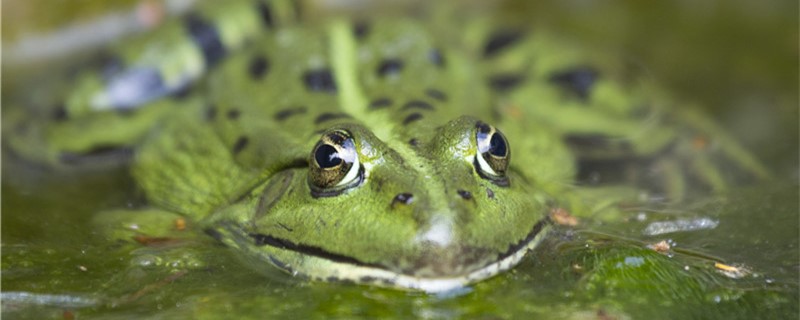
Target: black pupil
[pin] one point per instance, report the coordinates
(497, 146)
(327, 156)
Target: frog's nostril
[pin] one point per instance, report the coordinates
(466, 195)
(402, 198)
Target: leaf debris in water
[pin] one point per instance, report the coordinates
(662, 227)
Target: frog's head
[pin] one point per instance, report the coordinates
(436, 215)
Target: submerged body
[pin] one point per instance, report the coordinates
(378, 152)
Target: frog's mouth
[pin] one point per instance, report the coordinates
(319, 264)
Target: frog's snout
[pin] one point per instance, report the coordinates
(442, 246)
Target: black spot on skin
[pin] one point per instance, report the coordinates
(380, 103)
(436, 57)
(489, 193)
(327, 116)
(367, 279)
(390, 67)
(258, 67)
(436, 94)
(234, 114)
(211, 113)
(240, 144)
(206, 38)
(412, 117)
(417, 104)
(213, 233)
(413, 142)
(360, 29)
(266, 14)
(320, 80)
(402, 198)
(286, 113)
(182, 92)
(500, 40)
(505, 82)
(331, 279)
(60, 113)
(578, 81)
(466, 195)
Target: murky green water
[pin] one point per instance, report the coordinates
(737, 59)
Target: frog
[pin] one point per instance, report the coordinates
(376, 151)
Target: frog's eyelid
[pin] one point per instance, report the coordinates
(352, 173)
(484, 166)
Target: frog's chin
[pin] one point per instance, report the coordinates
(323, 266)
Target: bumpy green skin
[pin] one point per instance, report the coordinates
(235, 155)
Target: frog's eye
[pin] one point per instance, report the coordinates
(493, 156)
(334, 165)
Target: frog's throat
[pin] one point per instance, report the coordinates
(318, 264)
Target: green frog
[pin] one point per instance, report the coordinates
(376, 150)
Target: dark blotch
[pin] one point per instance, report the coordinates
(417, 104)
(211, 113)
(489, 193)
(213, 233)
(234, 114)
(60, 113)
(380, 103)
(367, 279)
(436, 94)
(206, 37)
(436, 57)
(266, 14)
(240, 144)
(464, 194)
(258, 67)
(413, 142)
(286, 113)
(499, 40)
(505, 82)
(390, 67)
(360, 29)
(402, 198)
(578, 81)
(327, 116)
(181, 93)
(320, 80)
(412, 117)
